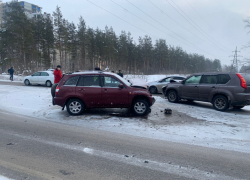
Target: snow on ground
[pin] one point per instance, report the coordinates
(6, 77)
(147, 78)
(192, 123)
(4, 178)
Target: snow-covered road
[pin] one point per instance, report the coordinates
(196, 123)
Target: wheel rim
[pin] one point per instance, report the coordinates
(172, 96)
(220, 103)
(75, 107)
(48, 83)
(153, 90)
(140, 107)
(27, 82)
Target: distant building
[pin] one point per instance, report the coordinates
(31, 10)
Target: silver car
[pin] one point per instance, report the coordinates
(156, 86)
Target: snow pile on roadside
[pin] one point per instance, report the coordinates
(4, 178)
(150, 78)
(6, 77)
(225, 130)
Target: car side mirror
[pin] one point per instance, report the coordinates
(172, 80)
(183, 82)
(121, 86)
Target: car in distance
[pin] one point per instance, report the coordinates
(156, 86)
(221, 89)
(86, 90)
(41, 77)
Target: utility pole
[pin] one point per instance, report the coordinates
(235, 60)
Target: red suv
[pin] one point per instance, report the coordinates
(86, 90)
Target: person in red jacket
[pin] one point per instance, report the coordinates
(57, 74)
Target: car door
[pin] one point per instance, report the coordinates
(190, 88)
(43, 77)
(34, 79)
(89, 89)
(112, 95)
(208, 87)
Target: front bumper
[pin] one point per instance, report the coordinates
(152, 101)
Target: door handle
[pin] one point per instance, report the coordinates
(196, 86)
(213, 87)
(105, 90)
(81, 89)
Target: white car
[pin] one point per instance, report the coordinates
(41, 77)
(156, 86)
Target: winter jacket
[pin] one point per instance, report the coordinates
(120, 74)
(11, 71)
(57, 76)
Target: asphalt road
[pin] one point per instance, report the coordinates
(39, 149)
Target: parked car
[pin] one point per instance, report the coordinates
(41, 77)
(221, 89)
(86, 90)
(156, 86)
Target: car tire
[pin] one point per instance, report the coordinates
(75, 107)
(153, 90)
(27, 82)
(140, 107)
(238, 107)
(220, 103)
(48, 83)
(172, 96)
(53, 90)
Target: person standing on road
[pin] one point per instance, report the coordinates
(11, 72)
(120, 73)
(57, 74)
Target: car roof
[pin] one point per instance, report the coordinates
(175, 76)
(46, 71)
(93, 72)
(212, 73)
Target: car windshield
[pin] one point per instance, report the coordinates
(123, 80)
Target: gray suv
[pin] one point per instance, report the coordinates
(221, 89)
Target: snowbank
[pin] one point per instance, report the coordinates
(6, 77)
(151, 78)
(206, 127)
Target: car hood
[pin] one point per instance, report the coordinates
(153, 83)
(138, 83)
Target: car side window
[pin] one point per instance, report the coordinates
(166, 80)
(72, 81)
(209, 79)
(89, 81)
(178, 78)
(111, 82)
(44, 74)
(193, 80)
(223, 78)
(37, 74)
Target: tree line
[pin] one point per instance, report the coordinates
(40, 43)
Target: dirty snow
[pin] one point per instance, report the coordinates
(192, 123)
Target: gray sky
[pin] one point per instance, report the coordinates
(220, 22)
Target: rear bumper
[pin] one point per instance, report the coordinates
(241, 103)
(58, 101)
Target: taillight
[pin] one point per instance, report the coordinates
(242, 81)
(57, 90)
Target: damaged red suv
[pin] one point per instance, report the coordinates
(86, 90)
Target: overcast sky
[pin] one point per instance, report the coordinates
(210, 27)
